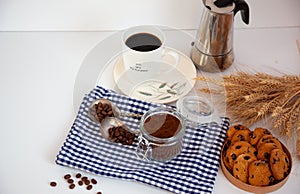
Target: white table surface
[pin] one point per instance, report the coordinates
(38, 71)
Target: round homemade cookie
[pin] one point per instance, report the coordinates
(235, 150)
(279, 163)
(257, 134)
(268, 139)
(240, 166)
(260, 173)
(234, 129)
(242, 135)
(264, 151)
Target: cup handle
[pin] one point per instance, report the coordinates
(172, 54)
(143, 150)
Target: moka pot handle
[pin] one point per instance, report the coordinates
(241, 5)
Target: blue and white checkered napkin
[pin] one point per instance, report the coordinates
(194, 170)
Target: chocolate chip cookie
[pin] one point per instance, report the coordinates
(257, 134)
(268, 139)
(264, 151)
(235, 150)
(240, 166)
(230, 132)
(279, 163)
(260, 173)
(242, 135)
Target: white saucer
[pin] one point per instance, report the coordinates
(165, 87)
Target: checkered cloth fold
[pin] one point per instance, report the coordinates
(194, 170)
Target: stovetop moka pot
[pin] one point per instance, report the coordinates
(213, 47)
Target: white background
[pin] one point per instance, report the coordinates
(42, 45)
(91, 15)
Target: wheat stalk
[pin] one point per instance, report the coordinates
(253, 97)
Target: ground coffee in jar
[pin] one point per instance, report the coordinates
(162, 131)
(162, 125)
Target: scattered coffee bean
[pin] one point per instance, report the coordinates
(53, 184)
(94, 181)
(67, 176)
(87, 182)
(78, 175)
(121, 135)
(72, 186)
(89, 187)
(80, 183)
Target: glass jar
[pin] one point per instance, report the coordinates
(161, 134)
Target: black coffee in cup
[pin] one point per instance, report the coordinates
(143, 42)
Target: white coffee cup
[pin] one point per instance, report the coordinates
(142, 45)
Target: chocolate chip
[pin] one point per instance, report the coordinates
(67, 176)
(71, 186)
(247, 157)
(241, 137)
(255, 153)
(227, 159)
(233, 156)
(53, 184)
(267, 155)
(267, 132)
(238, 127)
(286, 160)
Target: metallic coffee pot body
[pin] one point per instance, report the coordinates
(213, 47)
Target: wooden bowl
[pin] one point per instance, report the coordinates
(251, 188)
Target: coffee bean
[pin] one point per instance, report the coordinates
(121, 135)
(94, 181)
(70, 181)
(103, 110)
(78, 175)
(87, 182)
(80, 183)
(71, 186)
(53, 184)
(67, 176)
(84, 178)
(89, 187)
(99, 192)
